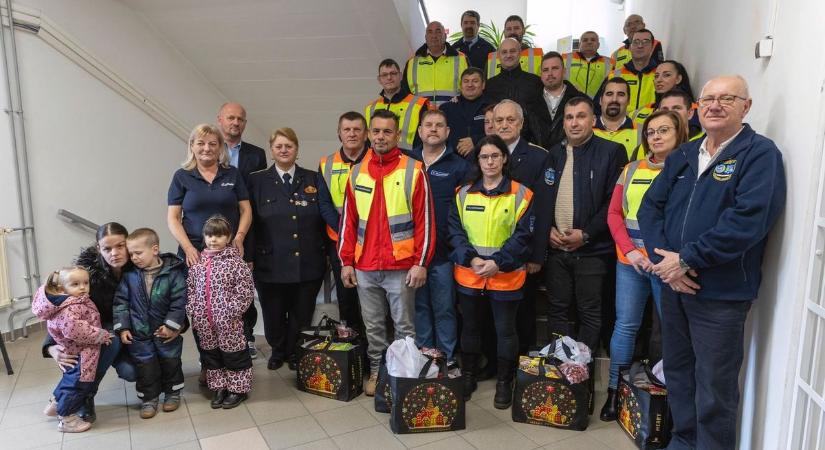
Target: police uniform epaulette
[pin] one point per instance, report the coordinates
(538, 147)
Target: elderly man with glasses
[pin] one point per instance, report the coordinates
(705, 221)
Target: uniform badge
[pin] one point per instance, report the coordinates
(724, 170)
(310, 190)
(550, 177)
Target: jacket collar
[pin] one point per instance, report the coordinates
(388, 158)
(690, 151)
(502, 188)
(346, 158)
(418, 153)
(448, 51)
(398, 97)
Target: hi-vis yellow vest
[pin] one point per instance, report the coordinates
(437, 80)
(529, 59)
(335, 172)
(623, 56)
(398, 187)
(587, 76)
(629, 135)
(408, 111)
(642, 90)
(637, 177)
(489, 222)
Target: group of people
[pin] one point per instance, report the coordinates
(477, 176)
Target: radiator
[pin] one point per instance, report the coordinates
(5, 286)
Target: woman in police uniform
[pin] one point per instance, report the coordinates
(489, 234)
(288, 240)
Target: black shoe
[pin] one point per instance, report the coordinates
(217, 400)
(274, 364)
(232, 400)
(469, 370)
(610, 410)
(504, 394)
(88, 413)
(293, 365)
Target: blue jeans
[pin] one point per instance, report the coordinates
(435, 319)
(703, 343)
(70, 392)
(632, 291)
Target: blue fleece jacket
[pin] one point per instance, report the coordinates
(719, 222)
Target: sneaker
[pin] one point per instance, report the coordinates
(73, 424)
(149, 409)
(171, 401)
(369, 385)
(51, 408)
(253, 352)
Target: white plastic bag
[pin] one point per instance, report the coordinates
(659, 372)
(566, 349)
(405, 360)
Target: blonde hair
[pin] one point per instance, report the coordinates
(286, 132)
(199, 131)
(149, 236)
(56, 280)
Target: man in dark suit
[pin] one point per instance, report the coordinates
(247, 158)
(471, 44)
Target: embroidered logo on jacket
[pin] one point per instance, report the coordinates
(724, 170)
(550, 177)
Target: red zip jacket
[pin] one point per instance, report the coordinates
(377, 254)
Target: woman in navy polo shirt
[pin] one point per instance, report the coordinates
(206, 185)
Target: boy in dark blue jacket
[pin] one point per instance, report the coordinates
(149, 313)
(705, 221)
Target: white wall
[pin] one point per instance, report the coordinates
(712, 37)
(91, 151)
(554, 20)
(449, 13)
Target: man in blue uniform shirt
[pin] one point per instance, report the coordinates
(705, 221)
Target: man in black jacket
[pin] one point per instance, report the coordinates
(571, 211)
(471, 44)
(465, 116)
(548, 126)
(515, 84)
(526, 159)
(247, 158)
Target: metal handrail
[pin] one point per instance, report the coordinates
(75, 219)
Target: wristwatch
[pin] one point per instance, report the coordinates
(683, 265)
(585, 238)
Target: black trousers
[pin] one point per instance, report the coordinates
(526, 316)
(504, 317)
(349, 309)
(576, 280)
(250, 318)
(286, 307)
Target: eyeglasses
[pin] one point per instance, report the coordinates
(724, 100)
(389, 74)
(490, 156)
(661, 131)
(641, 42)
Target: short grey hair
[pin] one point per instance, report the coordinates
(519, 109)
(736, 77)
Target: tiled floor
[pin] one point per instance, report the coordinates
(275, 416)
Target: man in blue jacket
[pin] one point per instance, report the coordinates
(705, 221)
(465, 116)
(436, 325)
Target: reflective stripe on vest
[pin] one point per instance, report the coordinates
(335, 172)
(643, 113)
(489, 222)
(398, 204)
(630, 138)
(642, 90)
(637, 176)
(591, 84)
(437, 80)
(408, 111)
(529, 59)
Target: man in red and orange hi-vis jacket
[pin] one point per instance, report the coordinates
(387, 237)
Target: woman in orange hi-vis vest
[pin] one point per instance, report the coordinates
(489, 234)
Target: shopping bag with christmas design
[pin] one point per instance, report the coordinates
(330, 369)
(543, 394)
(383, 395)
(423, 405)
(643, 408)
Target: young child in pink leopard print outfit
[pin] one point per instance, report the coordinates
(219, 290)
(73, 322)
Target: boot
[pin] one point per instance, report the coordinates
(610, 410)
(469, 361)
(88, 413)
(504, 384)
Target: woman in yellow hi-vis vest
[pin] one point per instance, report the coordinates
(489, 234)
(662, 133)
